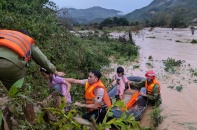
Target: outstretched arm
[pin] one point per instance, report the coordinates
(93, 106)
(76, 81)
(42, 60)
(128, 84)
(97, 100)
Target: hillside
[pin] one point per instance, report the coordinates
(89, 15)
(165, 6)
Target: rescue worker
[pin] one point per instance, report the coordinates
(150, 88)
(96, 96)
(16, 50)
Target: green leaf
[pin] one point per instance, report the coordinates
(14, 88)
(1, 117)
(63, 104)
(119, 103)
(71, 113)
(111, 121)
(123, 116)
(67, 126)
(123, 128)
(131, 118)
(109, 114)
(121, 124)
(40, 117)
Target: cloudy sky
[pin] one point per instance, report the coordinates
(125, 6)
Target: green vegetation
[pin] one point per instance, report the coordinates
(150, 58)
(156, 117)
(193, 71)
(115, 21)
(171, 13)
(136, 66)
(124, 122)
(151, 37)
(193, 41)
(177, 41)
(149, 64)
(21, 110)
(73, 55)
(90, 15)
(189, 125)
(177, 88)
(170, 63)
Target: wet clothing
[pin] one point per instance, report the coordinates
(120, 84)
(96, 92)
(154, 97)
(150, 86)
(90, 95)
(58, 83)
(12, 65)
(98, 115)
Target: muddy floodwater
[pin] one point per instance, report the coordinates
(179, 108)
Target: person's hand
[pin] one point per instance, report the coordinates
(143, 94)
(130, 82)
(78, 104)
(61, 74)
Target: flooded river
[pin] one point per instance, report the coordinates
(179, 108)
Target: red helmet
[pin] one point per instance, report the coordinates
(150, 74)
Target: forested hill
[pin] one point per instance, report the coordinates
(96, 14)
(188, 8)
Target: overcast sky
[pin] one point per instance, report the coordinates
(125, 6)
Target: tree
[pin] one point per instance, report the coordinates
(107, 22)
(123, 22)
(178, 19)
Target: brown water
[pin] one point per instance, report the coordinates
(179, 108)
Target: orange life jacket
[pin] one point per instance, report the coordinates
(133, 100)
(89, 94)
(149, 88)
(18, 42)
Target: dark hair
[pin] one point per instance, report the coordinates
(97, 73)
(120, 70)
(44, 70)
(26, 32)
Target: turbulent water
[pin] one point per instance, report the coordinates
(179, 108)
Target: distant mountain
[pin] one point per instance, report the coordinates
(164, 6)
(93, 14)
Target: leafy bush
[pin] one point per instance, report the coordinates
(194, 41)
(170, 63)
(156, 117)
(193, 72)
(177, 41)
(149, 64)
(179, 88)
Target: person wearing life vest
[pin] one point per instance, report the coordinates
(17, 48)
(150, 88)
(97, 100)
